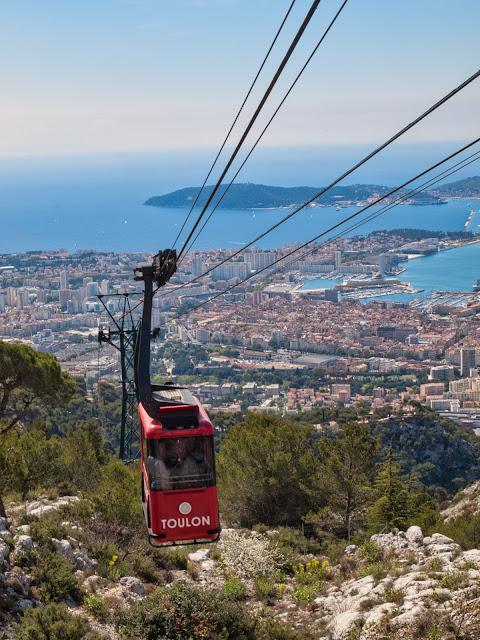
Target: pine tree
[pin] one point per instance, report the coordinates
(391, 506)
(346, 466)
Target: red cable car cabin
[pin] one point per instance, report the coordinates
(179, 493)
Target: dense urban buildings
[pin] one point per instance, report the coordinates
(376, 354)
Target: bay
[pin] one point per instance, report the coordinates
(95, 202)
(108, 217)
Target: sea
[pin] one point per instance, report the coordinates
(96, 202)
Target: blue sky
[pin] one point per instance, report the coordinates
(102, 76)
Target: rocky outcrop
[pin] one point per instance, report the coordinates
(467, 501)
(428, 576)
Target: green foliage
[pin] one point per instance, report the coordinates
(235, 589)
(183, 611)
(27, 377)
(266, 472)
(396, 596)
(178, 558)
(305, 592)
(345, 474)
(292, 539)
(375, 569)
(370, 551)
(265, 590)
(54, 622)
(464, 529)
(82, 462)
(95, 605)
(435, 564)
(143, 566)
(34, 459)
(56, 577)
(391, 504)
(48, 526)
(116, 497)
(453, 580)
(413, 438)
(271, 629)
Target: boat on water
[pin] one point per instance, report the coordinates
(476, 287)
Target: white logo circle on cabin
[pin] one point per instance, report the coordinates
(185, 508)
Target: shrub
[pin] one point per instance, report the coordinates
(47, 527)
(249, 556)
(179, 559)
(265, 590)
(396, 596)
(377, 570)
(268, 629)
(453, 580)
(144, 567)
(53, 622)
(334, 550)
(293, 540)
(370, 551)
(234, 589)
(184, 611)
(10, 541)
(95, 605)
(435, 564)
(56, 578)
(23, 560)
(304, 592)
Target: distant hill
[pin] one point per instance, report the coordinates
(260, 196)
(467, 188)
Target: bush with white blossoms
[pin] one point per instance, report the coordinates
(249, 556)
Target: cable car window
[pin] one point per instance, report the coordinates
(181, 463)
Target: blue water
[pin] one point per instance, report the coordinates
(96, 202)
(109, 218)
(453, 270)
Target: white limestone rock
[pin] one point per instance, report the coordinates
(4, 553)
(20, 577)
(23, 529)
(351, 550)
(83, 562)
(199, 556)
(414, 535)
(23, 545)
(378, 612)
(94, 583)
(344, 621)
(22, 605)
(133, 585)
(64, 548)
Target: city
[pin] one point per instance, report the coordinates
(374, 354)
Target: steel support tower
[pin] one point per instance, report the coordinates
(124, 337)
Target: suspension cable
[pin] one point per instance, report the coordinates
(354, 215)
(268, 124)
(347, 173)
(448, 172)
(235, 120)
(287, 56)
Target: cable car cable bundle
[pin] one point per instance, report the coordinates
(277, 74)
(297, 78)
(354, 215)
(234, 121)
(324, 190)
(429, 183)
